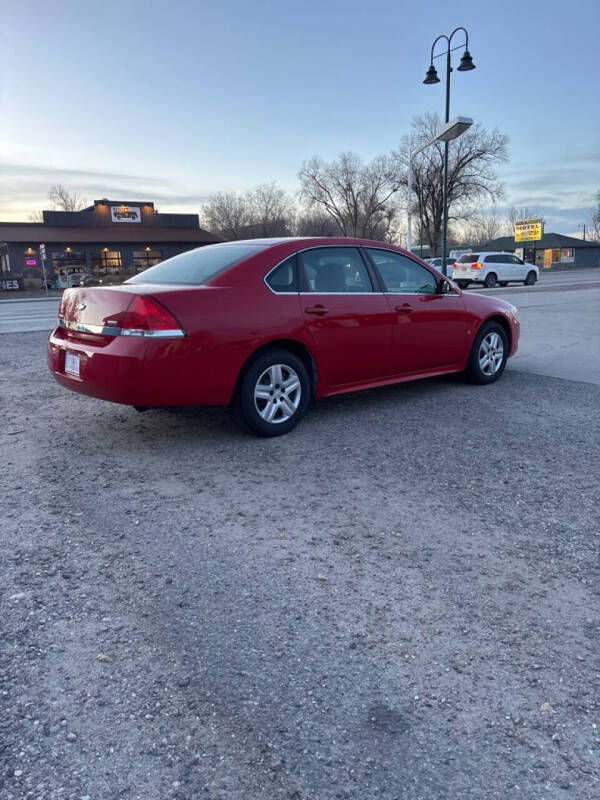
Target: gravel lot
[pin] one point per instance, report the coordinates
(398, 600)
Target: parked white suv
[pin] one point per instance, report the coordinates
(490, 269)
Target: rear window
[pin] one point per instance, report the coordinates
(468, 258)
(197, 266)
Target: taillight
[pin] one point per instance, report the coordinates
(478, 265)
(147, 317)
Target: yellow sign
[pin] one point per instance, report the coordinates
(529, 230)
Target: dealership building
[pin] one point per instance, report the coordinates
(110, 240)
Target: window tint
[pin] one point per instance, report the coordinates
(468, 258)
(402, 275)
(284, 278)
(338, 270)
(496, 259)
(516, 260)
(197, 266)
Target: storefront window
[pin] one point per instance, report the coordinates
(142, 259)
(107, 261)
(567, 254)
(68, 259)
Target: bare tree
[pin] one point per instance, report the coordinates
(479, 228)
(227, 213)
(471, 173)
(316, 223)
(271, 210)
(64, 200)
(265, 210)
(359, 198)
(595, 220)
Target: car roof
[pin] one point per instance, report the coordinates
(487, 253)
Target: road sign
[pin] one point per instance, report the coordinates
(529, 230)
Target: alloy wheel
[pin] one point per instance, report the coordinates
(277, 393)
(491, 353)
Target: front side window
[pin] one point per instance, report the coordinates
(516, 260)
(335, 270)
(402, 275)
(284, 278)
(195, 267)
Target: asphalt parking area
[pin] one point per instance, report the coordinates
(400, 599)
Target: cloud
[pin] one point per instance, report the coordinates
(24, 188)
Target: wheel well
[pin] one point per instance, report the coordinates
(504, 323)
(295, 347)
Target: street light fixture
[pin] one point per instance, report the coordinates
(466, 64)
(451, 130)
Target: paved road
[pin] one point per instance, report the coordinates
(560, 325)
(28, 315)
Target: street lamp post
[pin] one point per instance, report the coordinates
(451, 130)
(466, 64)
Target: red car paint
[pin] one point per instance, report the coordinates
(363, 340)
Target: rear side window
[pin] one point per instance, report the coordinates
(197, 266)
(335, 270)
(496, 259)
(284, 278)
(468, 258)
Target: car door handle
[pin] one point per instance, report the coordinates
(319, 310)
(405, 308)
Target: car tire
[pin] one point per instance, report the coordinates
(530, 279)
(490, 280)
(462, 284)
(489, 354)
(262, 404)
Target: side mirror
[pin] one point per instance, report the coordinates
(445, 287)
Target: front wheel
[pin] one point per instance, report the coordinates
(530, 279)
(273, 394)
(490, 280)
(488, 354)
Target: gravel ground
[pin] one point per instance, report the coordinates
(400, 599)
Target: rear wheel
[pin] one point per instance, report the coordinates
(462, 284)
(490, 280)
(488, 354)
(273, 394)
(530, 279)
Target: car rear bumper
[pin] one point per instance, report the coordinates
(138, 372)
(468, 276)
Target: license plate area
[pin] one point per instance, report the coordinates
(72, 363)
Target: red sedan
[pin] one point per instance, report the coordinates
(266, 325)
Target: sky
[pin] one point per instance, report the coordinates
(171, 102)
